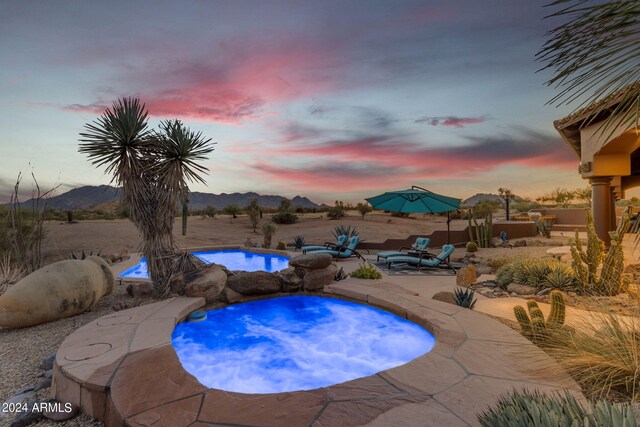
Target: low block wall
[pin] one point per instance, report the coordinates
(514, 230)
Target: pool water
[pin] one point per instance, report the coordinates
(233, 259)
(295, 343)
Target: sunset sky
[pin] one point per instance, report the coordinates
(327, 99)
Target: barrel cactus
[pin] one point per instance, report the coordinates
(472, 247)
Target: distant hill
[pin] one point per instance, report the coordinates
(475, 199)
(90, 196)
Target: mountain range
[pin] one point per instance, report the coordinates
(89, 196)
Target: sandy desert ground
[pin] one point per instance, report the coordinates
(111, 237)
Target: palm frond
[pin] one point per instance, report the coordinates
(595, 56)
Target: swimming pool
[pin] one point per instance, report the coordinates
(233, 259)
(295, 343)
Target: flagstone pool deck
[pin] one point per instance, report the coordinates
(122, 369)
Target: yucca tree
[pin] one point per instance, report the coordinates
(595, 54)
(153, 168)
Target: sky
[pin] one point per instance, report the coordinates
(333, 100)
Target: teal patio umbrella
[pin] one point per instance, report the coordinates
(416, 200)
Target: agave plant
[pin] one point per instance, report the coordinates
(153, 168)
(298, 241)
(465, 298)
(345, 230)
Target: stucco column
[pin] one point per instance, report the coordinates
(601, 206)
(614, 220)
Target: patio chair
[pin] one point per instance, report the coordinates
(439, 260)
(342, 239)
(420, 245)
(344, 251)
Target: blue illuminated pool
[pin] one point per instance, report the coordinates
(233, 259)
(295, 343)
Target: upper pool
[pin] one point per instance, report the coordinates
(295, 343)
(233, 259)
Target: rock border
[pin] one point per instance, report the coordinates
(139, 380)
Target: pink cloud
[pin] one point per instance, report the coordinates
(237, 81)
(355, 164)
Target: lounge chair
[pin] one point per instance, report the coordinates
(420, 245)
(342, 239)
(344, 251)
(439, 260)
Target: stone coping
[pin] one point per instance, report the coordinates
(122, 369)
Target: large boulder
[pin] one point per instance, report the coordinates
(467, 276)
(58, 290)
(315, 280)
(291, 279)
(445, 296)
(254, 282)
(311, 262)
(207, 282)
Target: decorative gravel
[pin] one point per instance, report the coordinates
(22, 350)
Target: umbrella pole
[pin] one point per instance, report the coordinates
(448, 227)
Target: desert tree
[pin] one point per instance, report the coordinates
(153, 168)
(232, 210)
(364, 208)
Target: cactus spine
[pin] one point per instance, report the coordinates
(534, 325)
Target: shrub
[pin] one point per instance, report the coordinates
(504, 274)
(364, 208)
(284, 218)
(537, 273)
(472, 247)
(232, 210)
(367, 271)
(560, 276)
(533, 409)
(298, 241)
(281, 246)
(545, 224)
(486, 207)
(602, 354)
(465, 298)
(9, 274)
(496, 263)
(336, 213)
